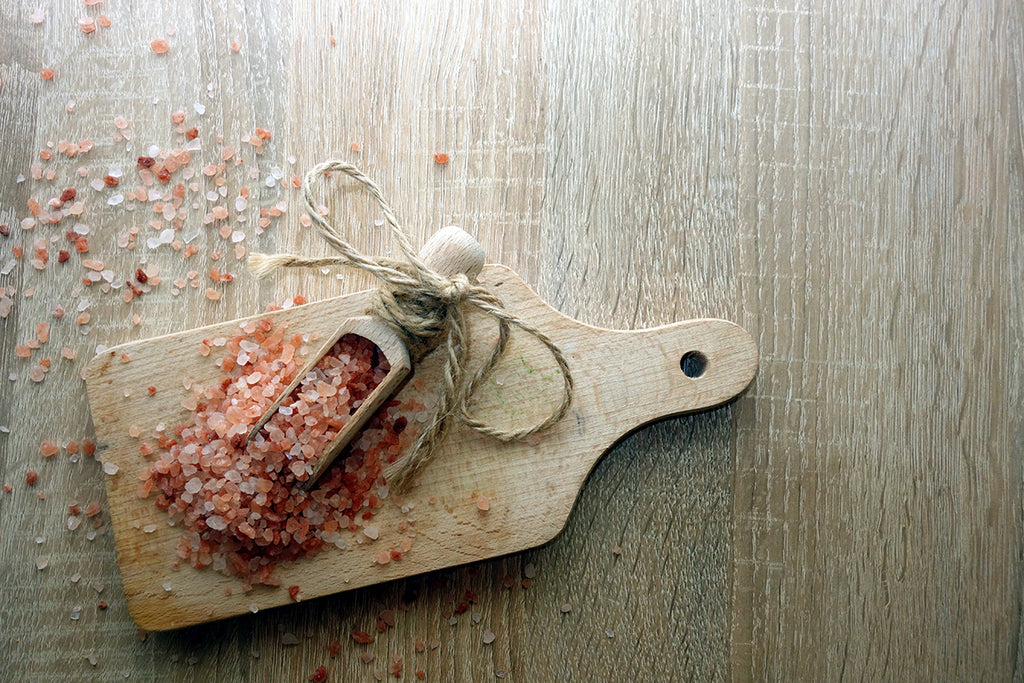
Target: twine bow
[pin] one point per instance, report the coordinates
(423, 306)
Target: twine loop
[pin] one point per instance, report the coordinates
(424, 307)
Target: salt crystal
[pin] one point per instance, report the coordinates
(92, 659)
(530, 570)
(20, 178)
(74, 522)
(371, 532)
(115, 199)
(153, 151)
(76, 577)
(76, 612)
(167, 236)
(237, 236)
(81, 229)
(216, 522)
(193, 485)
(167, 587)
(199, 108)
(97, 184)
(40, 540)
(97, 586)
(110, 468)
(149, 528)
(240, 203)
(254, 609)
(90, 535)
(42, 562)
(566, 608)
(488, 637)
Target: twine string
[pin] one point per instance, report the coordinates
(424, 307)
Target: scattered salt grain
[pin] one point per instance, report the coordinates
(488, 637)
(76, 612)
(110, 468)
(565, 608)
(371, 532)
(42, 562)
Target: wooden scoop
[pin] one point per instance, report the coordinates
(478, 498)
(449, 252)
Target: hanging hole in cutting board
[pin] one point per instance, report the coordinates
(693, 364)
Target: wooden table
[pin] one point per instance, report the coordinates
(845, 180)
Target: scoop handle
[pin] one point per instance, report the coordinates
(451, 251)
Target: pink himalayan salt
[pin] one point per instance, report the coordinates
(247, 512)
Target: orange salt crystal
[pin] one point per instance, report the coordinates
(103, 20)
(48, 448)
(72, 447)
(178, 116)
(87, 25)
(43, 332)
(46, 73)
(440, 158)
(67, 353)
(235, 46)
(22, 351)
(212, 294)
(483, 503)
(160, 46)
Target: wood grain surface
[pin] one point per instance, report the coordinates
(844, 179)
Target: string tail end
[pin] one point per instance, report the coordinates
(262, 265)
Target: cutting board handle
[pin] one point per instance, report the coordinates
(646, 375)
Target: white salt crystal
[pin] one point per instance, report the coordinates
(240, 203)
(149, 528)
(110, 468)
(97, 184)
(115, 199)
(371, 532)
(193, 485)
(42, 562)
(216, 522)
(199, 108)
(237, 236)
(76, 612)
(74, 521)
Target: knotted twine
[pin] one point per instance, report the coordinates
(423, 306)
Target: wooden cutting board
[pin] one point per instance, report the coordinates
(624, 379)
